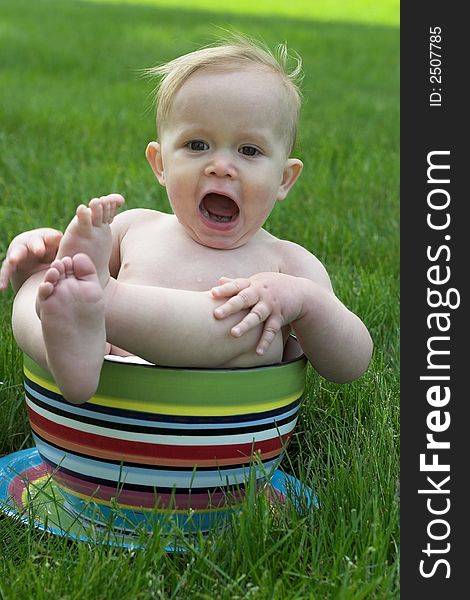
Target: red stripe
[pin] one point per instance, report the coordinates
(21, 481)
(167, 461)
(156, 451)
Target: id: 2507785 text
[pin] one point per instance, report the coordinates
(435, 66)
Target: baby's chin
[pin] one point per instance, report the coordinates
(222, 244)
(219, 242)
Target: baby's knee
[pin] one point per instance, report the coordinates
(250, 358)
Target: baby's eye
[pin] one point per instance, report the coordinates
(249, 151)
(198, 145)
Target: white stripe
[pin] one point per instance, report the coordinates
(152, 477)
(172, 440)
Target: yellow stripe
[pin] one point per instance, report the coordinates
(26, 493)
(171, 409)
(40, 381)
(189, 409)
(102, 502)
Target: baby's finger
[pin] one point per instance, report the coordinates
(51, 241)
(36, 246)
(230, 287)
(52, 238)
(259, 313)
(271, 329)
(9, 265)
(223, 280)
(17, 254)
(243, 300)
(6, 271)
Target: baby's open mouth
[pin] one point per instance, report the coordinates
(219, 208)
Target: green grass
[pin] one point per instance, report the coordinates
(362, 11)
(74, 123)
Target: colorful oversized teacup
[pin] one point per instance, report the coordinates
(165, 443)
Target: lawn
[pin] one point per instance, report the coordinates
(74, 123)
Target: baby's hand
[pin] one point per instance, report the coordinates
(28, 253)
(274, 300)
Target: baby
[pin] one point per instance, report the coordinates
(205, 286)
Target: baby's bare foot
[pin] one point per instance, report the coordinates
(89, 232)
(70, 305)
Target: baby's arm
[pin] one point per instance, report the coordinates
(28, 253)
(333, 338)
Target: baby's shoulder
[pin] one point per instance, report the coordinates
(140, 214)
(135, 217)
(300, 262)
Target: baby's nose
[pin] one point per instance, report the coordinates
(220, 165)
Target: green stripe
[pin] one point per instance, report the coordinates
(235, 388)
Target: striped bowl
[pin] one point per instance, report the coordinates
(171, 444)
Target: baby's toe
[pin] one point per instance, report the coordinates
(52, 276)
(84, 216)
(59, 265)
(45, 289)
(97, 212)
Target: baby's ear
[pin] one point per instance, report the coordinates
(292, 170)
(154, 156)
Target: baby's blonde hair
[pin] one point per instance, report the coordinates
(233, 52)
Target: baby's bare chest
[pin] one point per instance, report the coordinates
(178, 262)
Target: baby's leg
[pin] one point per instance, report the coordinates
(177, 328)
(26, 324)
(89, 233)
(71, 308)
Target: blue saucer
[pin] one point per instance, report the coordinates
(28, 493)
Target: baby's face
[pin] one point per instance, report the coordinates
(223, 154)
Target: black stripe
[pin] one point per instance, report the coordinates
(148, 416)
(146, 488)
